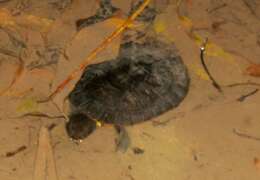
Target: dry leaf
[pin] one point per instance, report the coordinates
(257, 163)
(253, 70)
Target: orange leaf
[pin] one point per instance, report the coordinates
(257, 163)
(16, 76)
(253, 70)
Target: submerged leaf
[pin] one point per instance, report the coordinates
(28, 105)
(253, 70)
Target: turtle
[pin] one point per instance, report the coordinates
(145, 80)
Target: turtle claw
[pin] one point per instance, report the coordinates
(123, 140)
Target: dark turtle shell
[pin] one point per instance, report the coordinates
(145, 80)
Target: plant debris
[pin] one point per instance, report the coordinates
(249, 83)
(244, 97)
(257, 163)
(253, 70)
(18, 150)
(39, 114)
(214, 83)
(243, 135)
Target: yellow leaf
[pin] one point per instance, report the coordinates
(215, 50)
(27, 105)
(198, 39)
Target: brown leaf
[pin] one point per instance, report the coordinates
(253, 70)
(257, 163)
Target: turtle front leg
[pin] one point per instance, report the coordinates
(123, 140)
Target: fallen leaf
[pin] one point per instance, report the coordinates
(27, 105)
(257, 163)
(253, 70)
(16, 76)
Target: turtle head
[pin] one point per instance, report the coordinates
(80, 126)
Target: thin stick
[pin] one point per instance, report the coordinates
(17, 75)
(214, 83)
(94, 53)
(245, 135)
(243, 97)
(243, 84)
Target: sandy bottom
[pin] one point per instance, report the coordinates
(211, 135)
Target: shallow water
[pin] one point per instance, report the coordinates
(209, 136)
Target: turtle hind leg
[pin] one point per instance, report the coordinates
(123, 140)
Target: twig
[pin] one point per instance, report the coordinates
(8, 52)
(39, 114)
(214, 83)
(17, 74)
(217, 8)
(245, 135)
(94, 53)
(243, 84)
(13, 153)
(243, 97)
